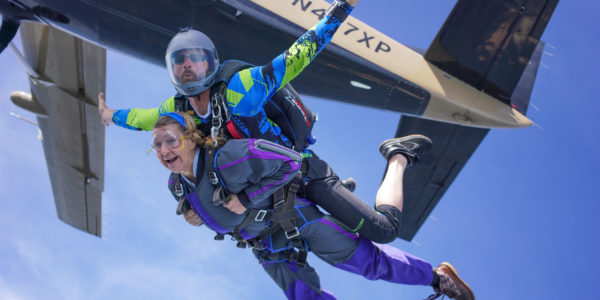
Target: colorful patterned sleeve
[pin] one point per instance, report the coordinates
(142, 119)
(250, 88)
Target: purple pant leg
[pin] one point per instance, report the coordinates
(387, 263)
(297, 283)
(299, 290)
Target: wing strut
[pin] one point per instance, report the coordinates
(7, 32)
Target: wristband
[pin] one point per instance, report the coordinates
(336, 10)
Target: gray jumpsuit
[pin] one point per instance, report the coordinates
(255, 169)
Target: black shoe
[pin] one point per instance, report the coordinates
(412, 147)
(349, 183)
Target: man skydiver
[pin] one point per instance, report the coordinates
(193, 67)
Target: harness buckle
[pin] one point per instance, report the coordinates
(292, 234)
(260, 215)
(256, 245)
(212, 177)
(179, 190)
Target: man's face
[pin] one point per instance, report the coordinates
(189, 65)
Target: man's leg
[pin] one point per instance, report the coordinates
(400, 153)
(391, 192)
(324, 188)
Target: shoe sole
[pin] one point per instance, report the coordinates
(449, 266)
(404, 138)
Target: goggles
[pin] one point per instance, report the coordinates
(178, 57)
(167, 139)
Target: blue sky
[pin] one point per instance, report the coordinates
(519, 222)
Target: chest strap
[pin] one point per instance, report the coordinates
(213, 178)
(178, 191)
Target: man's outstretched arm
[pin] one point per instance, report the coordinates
(249, 89)
(133, 118)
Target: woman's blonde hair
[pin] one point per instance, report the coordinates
(189, 130)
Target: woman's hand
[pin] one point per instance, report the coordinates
(106, 113)
(234, 205)
(192, 218)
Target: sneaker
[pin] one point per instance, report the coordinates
(451, 284)
(412, 147)
(349, 183)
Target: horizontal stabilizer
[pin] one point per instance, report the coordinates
(488, 44)
(426, 182)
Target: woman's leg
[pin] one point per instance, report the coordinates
(334, 244)
(296, 283)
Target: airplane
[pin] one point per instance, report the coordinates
(477, 74)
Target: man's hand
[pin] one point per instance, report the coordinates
(192, 218)
(106, 113)
(234, 205)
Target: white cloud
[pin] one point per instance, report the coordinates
(8, 293)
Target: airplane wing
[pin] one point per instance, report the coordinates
(71, 73)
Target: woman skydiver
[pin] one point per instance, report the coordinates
(278, 225)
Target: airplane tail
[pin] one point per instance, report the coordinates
(494, 46)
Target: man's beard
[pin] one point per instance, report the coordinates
(185, 79)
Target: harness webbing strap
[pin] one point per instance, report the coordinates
(283, 216)
(233, 130)
(212, 174)
(252, 215)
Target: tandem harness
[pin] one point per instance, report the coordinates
(284, 218)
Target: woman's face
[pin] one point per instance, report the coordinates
(173, 150)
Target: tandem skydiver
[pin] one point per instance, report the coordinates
(193, 66)
(281, 228)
